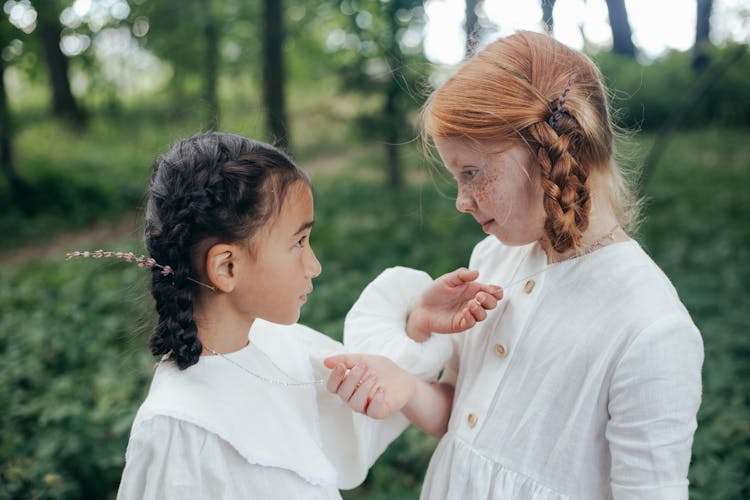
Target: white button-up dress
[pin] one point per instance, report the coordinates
(584, 382)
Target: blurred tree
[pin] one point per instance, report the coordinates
(6, 126)
(702, 34)
(384, 45)
(227, 41)
(211, 66)
(547, 18)
(273, 72)
(471, 25)
(64, 104)
(622, 36)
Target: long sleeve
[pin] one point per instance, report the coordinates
(654, 398)
(351, 441)
(376, 323)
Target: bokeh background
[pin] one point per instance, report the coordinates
(93, 90)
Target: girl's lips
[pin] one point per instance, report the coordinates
(303, 298)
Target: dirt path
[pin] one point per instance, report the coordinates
(99, 236)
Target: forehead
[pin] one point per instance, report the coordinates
(457, 152)
(296, 207)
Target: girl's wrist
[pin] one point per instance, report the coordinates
(413, 330)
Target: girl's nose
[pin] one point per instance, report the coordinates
(313, 265)
(465, 203)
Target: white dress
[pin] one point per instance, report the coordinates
(584, 382)
(216, 431)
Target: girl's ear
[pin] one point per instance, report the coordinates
(220, 266)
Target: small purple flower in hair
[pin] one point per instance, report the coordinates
(142, 260)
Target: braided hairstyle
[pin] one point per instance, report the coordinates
(532, 89)
(213, 187)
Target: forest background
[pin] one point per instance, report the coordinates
(92, 90)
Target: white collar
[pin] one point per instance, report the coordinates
(269, 425)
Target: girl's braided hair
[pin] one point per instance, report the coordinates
(529, 87)
(218, 187)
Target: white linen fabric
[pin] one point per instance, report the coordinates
(584, 382)
(216, 431)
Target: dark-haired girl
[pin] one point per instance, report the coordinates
(584, 383)
(229, 414)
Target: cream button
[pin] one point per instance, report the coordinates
(472, 420)
(501, 350)
(529, 286)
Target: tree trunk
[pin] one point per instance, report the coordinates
(393, 115)
(702, 34)
(211, 36)
(547, 18)
(394, 123)
(622, 36)
(273, 73)
(64, 104)
(6, 133)
(471, 25)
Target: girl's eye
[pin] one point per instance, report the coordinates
(301, 242)
(469, 173)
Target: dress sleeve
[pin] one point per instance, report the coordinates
(376, 323)
(351, 441)
(654, 397)
(170, 459)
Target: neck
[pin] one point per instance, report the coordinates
(220, 329)
(603, 230)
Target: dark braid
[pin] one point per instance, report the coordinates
(218, 186)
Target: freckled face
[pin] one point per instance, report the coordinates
(498, 184)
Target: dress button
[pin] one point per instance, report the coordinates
(529, 286)
(472, 420)
(501, 350)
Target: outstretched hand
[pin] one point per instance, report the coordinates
(453, 303)
(370, 384)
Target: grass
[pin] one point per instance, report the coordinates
(72, 349)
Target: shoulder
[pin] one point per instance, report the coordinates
(632, 281)
(162, 431)
(637, 296)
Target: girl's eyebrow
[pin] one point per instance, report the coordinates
(306, 225)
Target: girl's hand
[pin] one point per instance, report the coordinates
(369, 384)
(453, 303)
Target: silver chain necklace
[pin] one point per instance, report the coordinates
(281, 383)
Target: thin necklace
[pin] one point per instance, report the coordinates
(266, 379)
(609, 235)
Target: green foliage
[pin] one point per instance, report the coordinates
(71, 372)
(646, 95)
